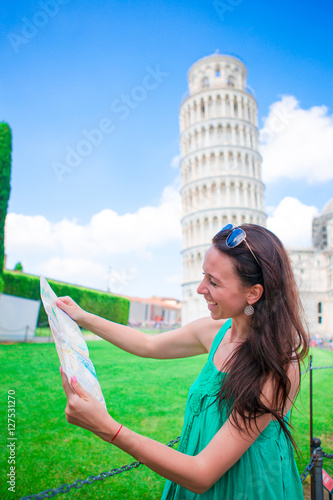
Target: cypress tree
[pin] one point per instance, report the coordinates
(5, 171)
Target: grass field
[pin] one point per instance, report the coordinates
(46, 332)
(146, 395)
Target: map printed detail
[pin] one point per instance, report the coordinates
(71, 346)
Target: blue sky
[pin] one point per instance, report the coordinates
(65, 66)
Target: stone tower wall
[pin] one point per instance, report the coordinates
(220, 165)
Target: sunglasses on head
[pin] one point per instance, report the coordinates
(235, 237)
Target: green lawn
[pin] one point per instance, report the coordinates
(146, 395)
(43, 332)
(46, 332)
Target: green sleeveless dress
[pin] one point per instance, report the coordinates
(266, 471)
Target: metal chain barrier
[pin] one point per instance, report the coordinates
(307, 469)
(315, 368)
(310, 465)
(79, 483)
(321, 367)
(306, 370)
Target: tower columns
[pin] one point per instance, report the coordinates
(220, 182)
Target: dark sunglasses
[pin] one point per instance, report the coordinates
(236, 236)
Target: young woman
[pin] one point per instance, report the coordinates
(235, 443)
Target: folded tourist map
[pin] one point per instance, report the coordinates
(71, 346)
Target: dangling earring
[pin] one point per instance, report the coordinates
(249, 310)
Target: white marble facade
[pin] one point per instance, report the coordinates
(220, 164)
(313, 269)
(221, 184)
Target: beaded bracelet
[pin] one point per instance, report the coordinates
(116, 434)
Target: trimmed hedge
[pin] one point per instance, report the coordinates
(97, 302)
(5, 169)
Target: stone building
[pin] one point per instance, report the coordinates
(153, 311)
(220, 164)
(313, 269)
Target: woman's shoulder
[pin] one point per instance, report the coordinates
(206, 330)
(294, 375)
(269, 390)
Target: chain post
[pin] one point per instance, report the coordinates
(307, 470)
(311, 407)
(79, 483)
(311, 429)
(317, 475)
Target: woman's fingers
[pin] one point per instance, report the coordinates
(85, 411)
(66, 300)
(67, 388)
(74, 387)
(66, 304)
(70, 307)
(79, 390)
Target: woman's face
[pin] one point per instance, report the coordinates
(221, 287)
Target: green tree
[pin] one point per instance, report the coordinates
(5, 171)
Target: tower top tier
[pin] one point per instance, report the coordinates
(215, 72)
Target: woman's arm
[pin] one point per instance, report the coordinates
(190, 340)
(196, 473)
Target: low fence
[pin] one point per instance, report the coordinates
(320, 479)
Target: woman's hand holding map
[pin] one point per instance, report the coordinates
(85, 411)
(74, 311)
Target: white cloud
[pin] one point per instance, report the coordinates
(119, 279)
(77, 253)
(291, 221)
(175, 279)
(19, 228)
(74, 270)
(107, 232)
(175, 162)
(297, 143)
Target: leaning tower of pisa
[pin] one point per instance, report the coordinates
(220, 164)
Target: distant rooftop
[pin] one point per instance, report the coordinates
(160, 301)
(328, 208)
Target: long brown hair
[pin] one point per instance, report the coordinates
(277, 335)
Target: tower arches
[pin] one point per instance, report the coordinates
(221, 164)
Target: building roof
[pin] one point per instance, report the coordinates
(170, 303)
(328, 208)
(218, 58)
